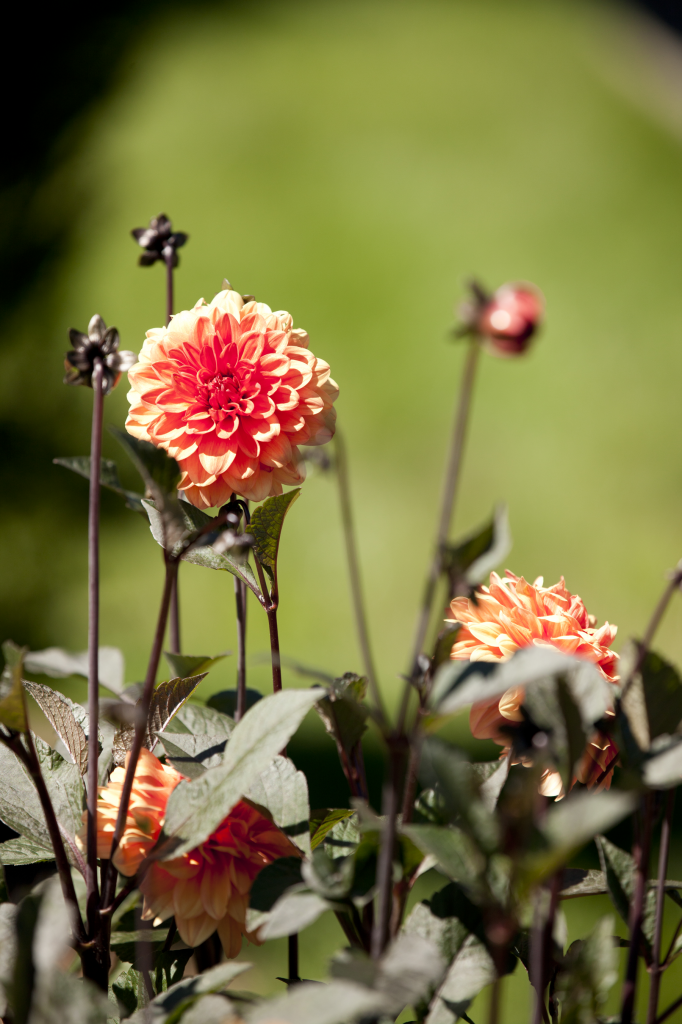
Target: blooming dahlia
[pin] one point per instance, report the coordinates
(510, 614)
(205, 889)
(231, 390)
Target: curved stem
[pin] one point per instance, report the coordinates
(449, 497)
(138, 739)
(657, 968)
(93, 901)
(354, 569)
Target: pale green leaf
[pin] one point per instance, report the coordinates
(266, 526)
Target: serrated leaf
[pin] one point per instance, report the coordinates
(273, 881)
(324, 825)
(456, 854)
(447, 933)
(343, 837)
(458, 785)
(266, 526)
(167, 699)
(59, 664)
(470, 560)
(196, 808)
(168, 1006)
(161, 475)
(283, 791)
(619, 871)
(589, 970)
(108, 477)
(201, 720)
(193, 755)
(24, 851)
(338, 1002)
(59, 711)
(12, 705)
(292, 913)
(206, 555)
(579, 882)
(185, 665)
(660, 686)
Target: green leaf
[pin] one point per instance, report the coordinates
(292, 913)
(344, 837)
(59, 664)
(266, 526)
(579, 882)
(447, 933)
(108, 477)
(192, 755)
(456, 854)
(338, 1002)
(200, 720)
(185, 665)
(8, 950)
(661, 690)
(12, 704)
(620, 876)
(168, 1007)
(468, 974)
(444, 767)
(66, 721)
(321, 827)
(409, 971)
(588, 972)
(226, 701)
(452, 901)
(210, 559)
(553, 709)
(19, 803)
(470, 560)
(342, 711)
(24, 851)
(664, 770)
(283, 791)
(196, 808)
(331, 877)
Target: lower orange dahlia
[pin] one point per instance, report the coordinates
(205, 890)
(511, 614)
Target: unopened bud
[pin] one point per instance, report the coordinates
(510, 318)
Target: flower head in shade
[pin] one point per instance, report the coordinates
(208, 888)
(159, 242)
(101, 342)
(230, 390)
(505, 321)
(511, 614)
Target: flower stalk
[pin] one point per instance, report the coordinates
(450, 491)
(92, 888)
(641, 854)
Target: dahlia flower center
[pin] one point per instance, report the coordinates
(225, 395)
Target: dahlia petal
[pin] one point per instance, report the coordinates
(230, 935)
(216, 891)
(195, 930)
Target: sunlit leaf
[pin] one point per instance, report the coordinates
(266, 525)
(589, 970)
(185, 665)
(664, 770)
(283, 791)
(339, 1002)
(180, 997)
(167, 699)
(342, 711)
(321, 827)
(66, 721)
(620, 872)
(456, 854)
(468, 974)
(59, 664)
(196, 808)
(469, 561)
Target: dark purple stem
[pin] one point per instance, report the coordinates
(657, 967)
(240, 599)
(659, 612)
(92, 888)
(271, 603)
(449, 498)
(641, 856)
(174, 629)
(293, 959)
(389, 808)
(138, 739)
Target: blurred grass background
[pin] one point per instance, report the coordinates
(353, 162)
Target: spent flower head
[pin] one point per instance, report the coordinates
(101, 342)
(159, 241)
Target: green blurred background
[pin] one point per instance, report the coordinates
(353, 162)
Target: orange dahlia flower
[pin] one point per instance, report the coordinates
(230, 390)
(510, 614)
(206, 889)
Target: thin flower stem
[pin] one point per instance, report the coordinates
(271, 603)
(657, 967)
(389, 808)
(495, 993)
(659, 612)
(138, 739)
(92, 889)
(29, 759)
(354, 570)
(293, 959)
(541, 948)
(641, 856)
(240, 600)
(174, 626)
(669, 1011)
(449, 497)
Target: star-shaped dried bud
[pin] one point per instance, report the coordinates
(505, 321)
(159, 241)
(101, 342)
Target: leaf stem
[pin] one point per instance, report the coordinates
(29, 759)
(271, 604)
(657, 967)
(389, 809)
(140, 727)
(354, 569)
(495, 993)
(93, 901)
(449, 496)
(641, 849)
(240, 600)
(669, 1011)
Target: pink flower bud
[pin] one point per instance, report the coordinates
(509, 319)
